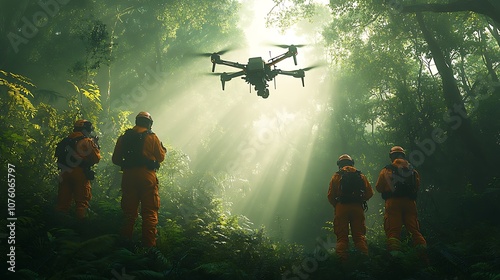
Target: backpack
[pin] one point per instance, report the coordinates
(352, 187)
(66, 151)
(404, 182)
(133, 144)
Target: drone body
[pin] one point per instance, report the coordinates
(258, 72)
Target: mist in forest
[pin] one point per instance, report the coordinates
(263, 146)
(423, 76)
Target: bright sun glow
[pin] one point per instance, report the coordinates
(259, 141)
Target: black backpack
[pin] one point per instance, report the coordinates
(352, 187)
(66, 151)
(133, 145)
(404, 182)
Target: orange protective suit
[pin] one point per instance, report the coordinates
(73, 184)
(348, 214)
(399, 211)
(140, 185)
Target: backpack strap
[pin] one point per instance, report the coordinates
(77, 139)
(138, 159)
(391, 167)
(348, 198)
(396, 171)
(65, 150)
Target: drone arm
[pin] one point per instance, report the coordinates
(233, 75)
(224, 77)
(228, 63)
(278, 58)
(295, 73)
(215, 58)
(292, 52)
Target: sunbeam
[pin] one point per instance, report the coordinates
(266, 143)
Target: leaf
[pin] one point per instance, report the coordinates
(87, 277)
(100, 244)
(27, 274)
(75, 86)
(147, 274)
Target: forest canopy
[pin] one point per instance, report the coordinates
(244, 183)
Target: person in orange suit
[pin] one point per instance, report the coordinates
(399, 183)
(139, 153)
(348, 193)
(76, 154)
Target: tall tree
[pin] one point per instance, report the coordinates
(427, 75)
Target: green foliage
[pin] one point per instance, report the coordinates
(17, 90)
(92, 93)
(386, 92)
(285, 13)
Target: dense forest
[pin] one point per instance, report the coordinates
(244, 183)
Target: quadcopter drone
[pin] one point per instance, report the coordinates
(257, 72)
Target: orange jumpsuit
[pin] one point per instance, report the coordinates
(140, 185)
(73, 185)
(348, 214)
(399, 211)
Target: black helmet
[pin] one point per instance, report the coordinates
(345, 160)
(144, 119)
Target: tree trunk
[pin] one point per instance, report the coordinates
(487, 59)
(457, 113)
(494, 31)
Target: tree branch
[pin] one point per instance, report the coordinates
(484, 7)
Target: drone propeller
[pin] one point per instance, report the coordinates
(301, 74)
(221, 52)
(310, 67)
(226, 76)
(288, 46)
(213, 74)
(316, 65)
(292, 50)
(223, 77)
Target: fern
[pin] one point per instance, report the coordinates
(27, 274)
(87, 277)
(91, 92)
(100, 244)
(147, 275)
(18, 91)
